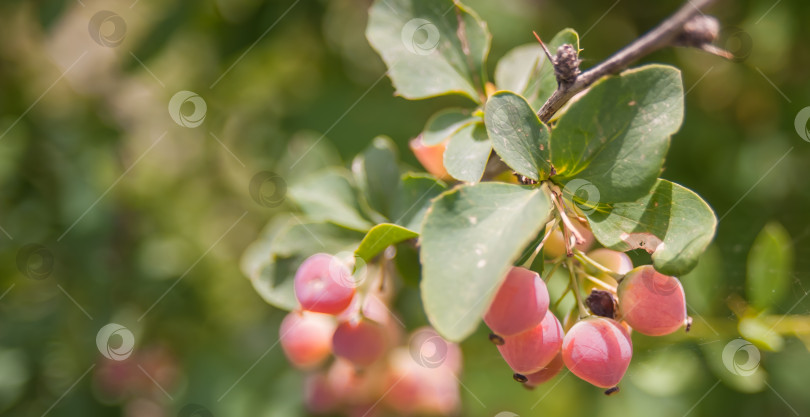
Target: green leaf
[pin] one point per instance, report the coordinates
(414, 197)
(471, 236)
(431, 47)
(328, 196)
(380, 237)
(377, 173)
(517, 135)
(444, 124)
(616, 136)
(769, 267)
(671, 222)
(259, 253)
(271, 261)
(527, 71)
(467, 153)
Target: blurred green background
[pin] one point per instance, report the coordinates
(146, 220)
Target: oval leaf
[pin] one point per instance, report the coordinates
(380, 237)
(329, 196)
(444, 124)
(770, 265)
(377, 173)
(467, 153)
(471, 236)
(671, 222)
(517, 135)
(431, 47)
(616, 135)
(413, 199)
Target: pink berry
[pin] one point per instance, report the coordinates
(306, 338)
(550, 371)
(598, 350)
(324, 284)
(360, 342)
(520, 304)
(431, 157)
(532, 350)
(652, 303)
(356, 386)
(414, 388)
(318, 395)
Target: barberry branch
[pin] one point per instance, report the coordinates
(687, 27)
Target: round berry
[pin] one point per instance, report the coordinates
(324, 284)
(532, 350)
(360, 342)
(520, 303)
(306, 338)
(652, 303)
(552, 369)
(598, 350)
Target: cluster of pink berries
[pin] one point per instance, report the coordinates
(344, 316)
(596, 348)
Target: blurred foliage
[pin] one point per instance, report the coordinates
(145, 220)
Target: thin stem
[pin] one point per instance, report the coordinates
(586, 260)
(551, 272)
(574, 284)
(549, 230)
(600, 283)
(659, 37)
(558, 202)
(562, 296)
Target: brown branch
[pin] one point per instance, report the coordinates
(673, 31)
